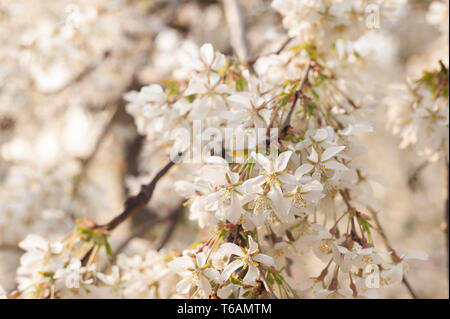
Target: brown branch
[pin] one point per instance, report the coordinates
(280, 49)
(412, 181)
(266, 283)
(297, 95)
(139, 201)
(346, 197)
(394, 254)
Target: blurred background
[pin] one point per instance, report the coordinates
(69, 150)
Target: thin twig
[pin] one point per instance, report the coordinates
(394, 254)
(303, 81)
(277, 52)
(382, 233)
(137, 202)
(266, 283)
(412, 181)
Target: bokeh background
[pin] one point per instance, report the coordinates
(64, 67)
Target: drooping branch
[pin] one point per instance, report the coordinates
(266, 283)
(346, 197)
(395, 257)
(139, 201)
(297, 95)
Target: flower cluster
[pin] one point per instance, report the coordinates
(276, 183)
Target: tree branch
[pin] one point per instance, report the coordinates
(266, 283)
(394, 254)
(137, 202)
(303, 81)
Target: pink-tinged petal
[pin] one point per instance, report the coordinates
(184, 285)
(231, 249)
(335, 166)
(313, 157)
(302, 170)
(330, 152)
(207, 53)
(251, 275)
(264, 259)
(263, 161)
(201, 259)
(230, 268)
(252, 245)
(181, 264)
(282, 161)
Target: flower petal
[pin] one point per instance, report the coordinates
(335, 166)
(207, 53)
(264, 259)
(180, 264)
(302, 170)
(201, 259)
(263, 161)
(282, 161)
(231, 249)
(252, 245)
(230, 268)
(251, 275)
(313, 157)
(184, 285)
(330, 152)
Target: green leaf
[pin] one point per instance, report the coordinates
(108, 248)
(241, 84)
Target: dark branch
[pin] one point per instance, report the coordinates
(139, 201)
(287, 121)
